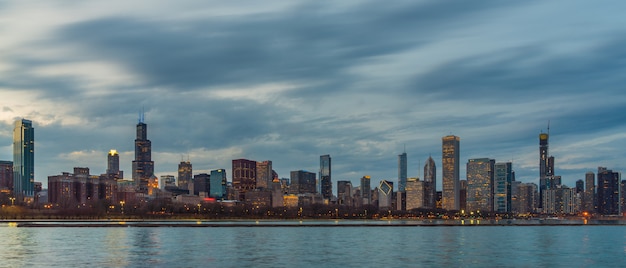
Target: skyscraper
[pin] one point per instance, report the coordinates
(366, 190)
(143, 166)
(450, 164)
(385, 193)
(589, 196)
(543, 165)
(264, 175)
(302, 182)
(218, 184)
(344, 193)
(244, 176)
(23, 159)
(430, 184)
(402, 172)
(502, 181)
(415, 193)
(326, 186)
(480, 174)
(608, 192)
(113, 166)
(185, 171)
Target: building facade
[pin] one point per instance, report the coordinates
(264, 175)
(502, 181)
(450, 171)
(244, 176)
(415, 194)
(366, 190)
(302, 182)
(218, 184)
(480, 174)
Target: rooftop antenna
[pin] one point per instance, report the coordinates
(141, 115)
(405, 148)
(548, 128)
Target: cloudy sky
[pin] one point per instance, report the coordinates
(289, 81)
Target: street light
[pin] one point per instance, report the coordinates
(12, 201)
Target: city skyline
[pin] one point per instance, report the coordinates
(355, 81)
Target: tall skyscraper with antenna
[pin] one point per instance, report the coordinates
(143, 166)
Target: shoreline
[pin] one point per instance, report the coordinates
(99, 223)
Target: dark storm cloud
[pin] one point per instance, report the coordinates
(303, 44)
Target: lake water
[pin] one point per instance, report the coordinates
(314, 246)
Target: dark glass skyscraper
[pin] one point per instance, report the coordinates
(608, 192)
(402, 172)
(218, 183)
(430, 183)
(502, 181)
(326, 186)
(23, 159)
(143, 166)
(450, 198)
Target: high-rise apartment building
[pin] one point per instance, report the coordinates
(23, 159)
(402, 172)
(480, 174)
(430, 184)
(502, 181)
(450, 165)
(185, 174)
(326, 186)
(143, 166)
(244, 176)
